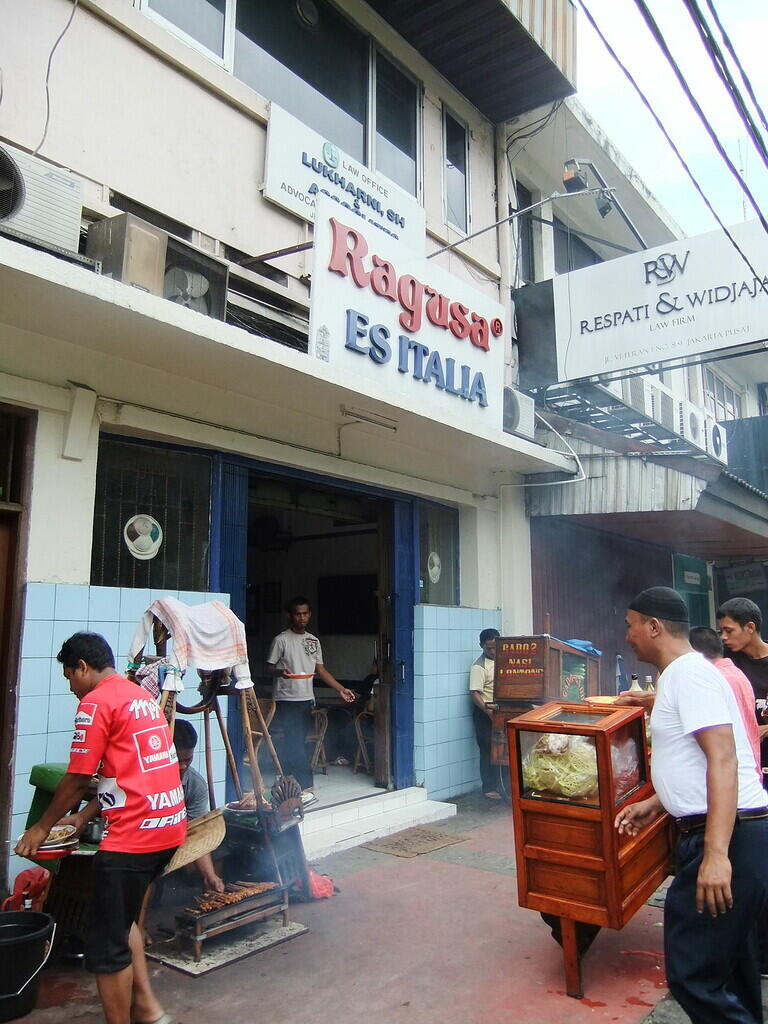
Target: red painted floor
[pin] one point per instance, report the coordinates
(419, 941)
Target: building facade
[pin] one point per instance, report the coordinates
(157, 360)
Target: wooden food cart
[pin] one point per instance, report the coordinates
(572, 766)
(530, 670)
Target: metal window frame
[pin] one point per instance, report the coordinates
(448, 112)
(227, 57)
(375, 50)
(711, 399)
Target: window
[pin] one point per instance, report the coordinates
(570, 252)
(438, 555)
(721, 400)
(308, 58)
(200, 20)
(396, 104)
(455, 172)
(166, 489)
(524, 267)
(314, 67)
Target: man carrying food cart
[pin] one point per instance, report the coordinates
(125, 737)
(703, 771)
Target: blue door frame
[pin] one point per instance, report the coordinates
(229, 566)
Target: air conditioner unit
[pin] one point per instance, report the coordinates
(637, 394)
(715, 440)
(141, 255)
(664, 411)
(52, 206)
(692, 424)
(519, 414)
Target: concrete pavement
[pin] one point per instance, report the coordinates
(437, 938)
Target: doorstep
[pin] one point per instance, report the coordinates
(328, 830)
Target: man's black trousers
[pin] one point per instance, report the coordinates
(713, 966)
(292, 723)
(489, 773)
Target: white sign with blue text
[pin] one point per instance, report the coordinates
(387, 322)
(301, 166)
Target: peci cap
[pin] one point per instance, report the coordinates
(661, 603)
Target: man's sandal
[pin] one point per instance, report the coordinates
(165, 1019)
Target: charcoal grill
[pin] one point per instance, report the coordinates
(197, 925)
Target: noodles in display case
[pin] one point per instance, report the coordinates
(572, 766)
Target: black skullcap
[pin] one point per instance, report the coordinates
(661, 603)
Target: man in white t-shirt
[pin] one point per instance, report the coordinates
(703, 771)
(295, 658)
(481, 691)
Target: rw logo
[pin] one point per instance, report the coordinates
(665, 268)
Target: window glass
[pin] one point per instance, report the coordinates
(524, 254)
(571, 253)
(314, 64)
(395, 124)
(151, 518)
(455, 173)
(438, 555)
(203, 20)
(720, 399)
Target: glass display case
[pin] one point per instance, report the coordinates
(571, 767)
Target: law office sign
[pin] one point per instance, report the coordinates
(301, 166)
(684, 298)
(389, 323)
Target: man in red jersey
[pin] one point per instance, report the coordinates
(120, 732)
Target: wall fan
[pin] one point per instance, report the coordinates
(188, 288)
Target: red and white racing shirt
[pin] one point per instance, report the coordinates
(121, 732)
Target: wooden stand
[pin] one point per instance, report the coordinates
(571, 861)
(530, 670)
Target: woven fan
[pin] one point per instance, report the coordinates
(286, 798)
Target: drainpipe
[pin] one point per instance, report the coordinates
(505, 237)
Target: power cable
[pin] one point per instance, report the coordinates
(661, 42)
(734, 57)
(48, 77)
(673, 146)
(726, 78)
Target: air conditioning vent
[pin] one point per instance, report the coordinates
(692, 424)
(145, 257)
(716, 441)
(664, 409)
(519, 414)
(50, 207)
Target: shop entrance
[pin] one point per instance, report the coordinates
(346, 551)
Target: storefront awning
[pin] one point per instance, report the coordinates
(688, 505)
(60, 323)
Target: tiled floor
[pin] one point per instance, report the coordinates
(341, 785)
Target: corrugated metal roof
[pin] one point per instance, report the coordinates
(500, 64)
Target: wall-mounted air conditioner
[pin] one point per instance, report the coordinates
(664, 408)
(692, 424)
(715, 440)
(519, 414)
(637, 393)
(52, 205)
(141, 255)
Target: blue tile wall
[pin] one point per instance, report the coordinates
(52, 612)
(445, 643)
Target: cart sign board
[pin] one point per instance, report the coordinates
(681, 299)
(388, 323)
(519, 669)
(301, 166)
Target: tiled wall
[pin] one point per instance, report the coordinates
(46, 706)
(445, 644)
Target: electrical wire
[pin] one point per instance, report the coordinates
(661, 42)
(670, 141)
(48, 77)
(734, 57)
(555, 483)
(726, 78)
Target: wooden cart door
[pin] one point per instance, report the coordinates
(383, 654)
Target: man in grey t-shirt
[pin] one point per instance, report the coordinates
(195, 795)
(295, 658)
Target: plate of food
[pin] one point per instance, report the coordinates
(60, 835)
(601, 699)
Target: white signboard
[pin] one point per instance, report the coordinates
(681, 299)
(389, 323)
(745, 579)
(302, 165)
